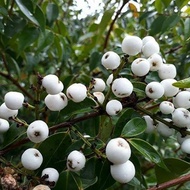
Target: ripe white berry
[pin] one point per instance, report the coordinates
(182, 99)
(56, 102)
(98, 85)
(181, 117)
(37, 131)
(31, 159)
(50, 174)
(167, 71)
(154, 90)
(150, 47)
(6, 113)
(110, 60)
(181, 138)
(118, 151)
(164, 130)
(185, 146)
(99, 96)
(76, 161)
(131, 45)
(166, 107)
(123, 173)
(109, 80)
(77, 92)
(41, 187)
(122, 87)
(4, 125)
(149, 123)
(155, 61)
(140, 67)
(147, 39)
(52, 84)
(169, 89)
(113, 107)
(14, 100)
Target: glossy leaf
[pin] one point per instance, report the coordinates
(156, 26)
(187, 28)
(176, 168)
(134, 127)
(185, 83)
(52, 12)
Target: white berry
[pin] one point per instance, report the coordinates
(123, 173)
(76, 161)
(118, 151)
(185, 146)
(140, 67)
(113, 107)
(109, 79)
(167, 71)
(150, 127)
(52, 84)
(182, 99)
(6, 113)
(147, 39)
(77, 92)
(154, 90)
(169, 89)
(122, 87)
(31, 159)
(131, 45)
(4, 125)
(50, 174)
(110, 60)
(181, 138)
(56, 102)
(166, 107)
(14, 100)
(155, 61)
(99, 96)
(37, 131)
(150, 48)
(41, 187)
(98, 85)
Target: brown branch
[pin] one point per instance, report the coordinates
(112, 24)
(171, 183)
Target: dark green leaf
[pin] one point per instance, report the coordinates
(52, 12)
(185, 83)
(176, 167)
(3, 11)
(147, 151)
(95, 59)
(181, 3)
(156, 26)
(187, 28)
(166, 3)
(134, 127)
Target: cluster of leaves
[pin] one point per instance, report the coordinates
(43, 37)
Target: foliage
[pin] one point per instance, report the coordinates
(40, 37)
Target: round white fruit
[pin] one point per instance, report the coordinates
(41, 187)
(150, 47)
(99, 97)
(4, 125)
(181, 117)
(118, 151)
(77, 92)
(182, 99)
(109, 79)
(140, 67)
(166, 107)
(113, 107)
(185, 146)
(50, 174)
(14, 100)
(154, 90)
(37, 131)
(6, 113)
(31, 159)
(147, 39)
(56, 102)
(167, 71)
(52, 84)
(76, 161)
(131, 45)
(110, 60)
(123, 173)
(98, 85)
(150, 127)
(169, 89)
(164, 130)
(122, 87)
(155, 61)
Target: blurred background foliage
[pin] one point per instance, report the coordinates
(39, 37)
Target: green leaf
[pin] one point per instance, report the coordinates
(134, 127)
(40, 17)
(157, 25)
(187, 28)
(166, 3)
(181, 3)
(158, 5)
(147, 151)
(3, 11)
(95, 59)
(170, 22)
(176, 168)
(52, 12)
(185, 83)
